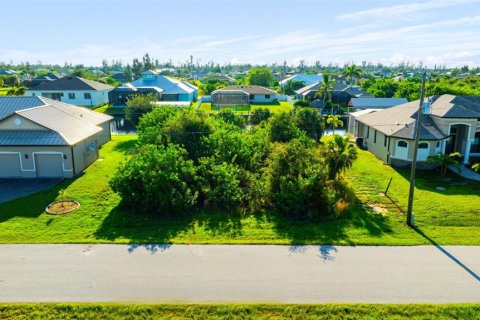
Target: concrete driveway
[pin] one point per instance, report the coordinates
(11, 189)
(221, 273)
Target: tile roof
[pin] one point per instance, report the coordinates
(72, 83)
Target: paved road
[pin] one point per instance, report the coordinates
(214, 273)
(16, 188)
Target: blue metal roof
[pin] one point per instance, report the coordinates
(31, 138)
(8, 105)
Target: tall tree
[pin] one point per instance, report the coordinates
(260, 77)
(335, 121)
(340, 153)
(326, 88)
(137, 68)
(352, 71)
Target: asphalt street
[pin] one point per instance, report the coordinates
(223, 273)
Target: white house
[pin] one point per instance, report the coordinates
(73, 90)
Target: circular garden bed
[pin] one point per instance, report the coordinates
(62, 206)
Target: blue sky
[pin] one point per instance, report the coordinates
(255, 31)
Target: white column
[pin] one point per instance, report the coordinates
(466, 159)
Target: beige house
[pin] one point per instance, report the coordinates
(449, 124)
(44, 138)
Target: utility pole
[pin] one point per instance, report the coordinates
(415, 152)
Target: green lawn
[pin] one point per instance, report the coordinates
(239, 311)
(446, 217)
(282, 106)
(108, 109)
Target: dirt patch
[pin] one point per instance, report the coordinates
(62, 207)
(377, 208)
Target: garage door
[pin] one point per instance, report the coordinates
(10, 166)
(49, 165)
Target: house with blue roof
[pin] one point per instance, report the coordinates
(307, 79)
(164, 88)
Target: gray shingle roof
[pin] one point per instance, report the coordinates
(31, 138)
(450, 106)
(72, 83)
(399, 121)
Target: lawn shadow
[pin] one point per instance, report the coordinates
(156, 232)
(126, 147)
(331, 231)
(448, 254)
(33, 205)
(140, 228)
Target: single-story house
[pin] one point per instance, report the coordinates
(242, 95)
(222, 77)
(45, 138)
(375, 103)
(449, 124)
(4, 72)
(341, 93)
(73, 90)
(151, 82)
(307, 79)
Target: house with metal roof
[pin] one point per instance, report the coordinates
(73, 90)
(151, 82)
(45, 138)
(449, 124)
(307, 79)
(242, 95)
(375, 103)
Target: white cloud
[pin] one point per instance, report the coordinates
(403, 9)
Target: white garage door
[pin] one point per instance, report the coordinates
(49, 165)
(10, 166)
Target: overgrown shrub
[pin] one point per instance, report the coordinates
(158, 179)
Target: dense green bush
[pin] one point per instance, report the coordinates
(230, 117)
(139, 105)
(191, 160)
(259, 115)
(158, 179)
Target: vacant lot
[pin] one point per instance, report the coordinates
(282, 106)
(446, 217)
(240, 311)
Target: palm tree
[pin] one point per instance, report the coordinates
(352, 71)
(340, 153)
(444, 161)
(326, 88)
(335, 121)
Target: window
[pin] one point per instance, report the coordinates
(423, 145)
(385, 140)
(87, 96)
(402, 144)
(71, 96)
(267, 96)
(252, 97)
(368, 132)
(375, 137)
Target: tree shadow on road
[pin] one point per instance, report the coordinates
(448, 254)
